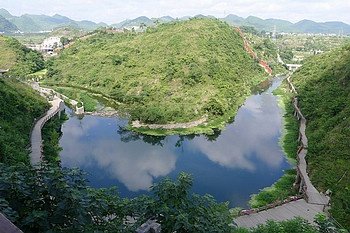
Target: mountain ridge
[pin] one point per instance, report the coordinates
(36, 23)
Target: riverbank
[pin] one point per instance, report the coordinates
(98, 104)
(283, 187)
(51, 133)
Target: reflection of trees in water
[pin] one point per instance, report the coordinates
(190, 137)
(261, 87)
(128, 136)
(216, 134)
(182, 138)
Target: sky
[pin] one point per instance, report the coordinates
(114, 11)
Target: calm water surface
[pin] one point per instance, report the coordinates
(231, 165)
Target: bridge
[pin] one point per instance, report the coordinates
(313, 202)
(36, 138)
(290, 67)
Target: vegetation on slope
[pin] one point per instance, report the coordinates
(20, 60)
(19, 105)
(51, 135)
(177, 72)
(323, 85)
(279, 191)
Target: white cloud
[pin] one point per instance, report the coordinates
(134, 164)
(253, 136)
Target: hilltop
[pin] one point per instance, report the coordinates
(323, 85)
(37, 23)
(303, 26)
(177, 72)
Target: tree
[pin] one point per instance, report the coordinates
(179, 210)
(143, 25)
(48, 198)
(64, 41)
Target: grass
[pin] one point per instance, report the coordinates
(174, 73)
(289, 139)
(90, 103)
(39, 74)
(8, 55)
(279, 191)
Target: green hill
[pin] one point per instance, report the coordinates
(8, 55)
(323, 84)
(36, 23)
(177, 72)
(19, 104)
(6, 26)
(19, 59)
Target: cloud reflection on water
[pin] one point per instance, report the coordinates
(95, 142)
(135, 164)
(253, 133)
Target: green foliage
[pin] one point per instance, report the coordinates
(89, 101)
(51, 133)
(323, 85)
(287, 55)
(279, 191)
(327, 225)
(266, 50)
(20, 60)
(167, 74)
(181, 211)
(48, 198)
(64, 40)
(19, 105)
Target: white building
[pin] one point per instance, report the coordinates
(51, 43)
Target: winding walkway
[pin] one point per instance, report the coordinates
(314, 202)
(36, 139)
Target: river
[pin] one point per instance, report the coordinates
(231, 165)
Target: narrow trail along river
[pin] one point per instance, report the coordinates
(231, 165)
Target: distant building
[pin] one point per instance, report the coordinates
(50, 44)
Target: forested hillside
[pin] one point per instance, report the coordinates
(19, 104)
(19, 59)
(323, 85)
(177, 72)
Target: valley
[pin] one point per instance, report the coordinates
(189, 124)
